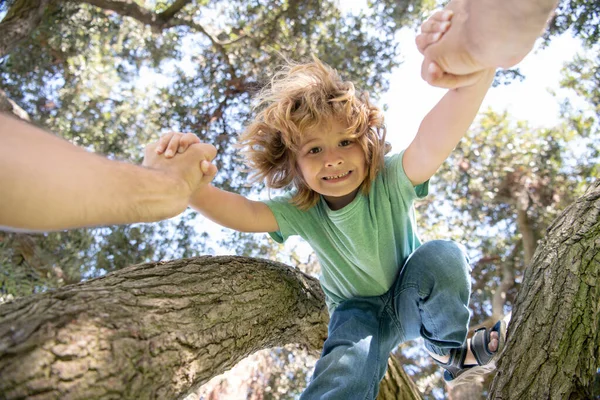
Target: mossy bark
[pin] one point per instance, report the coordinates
(553, 347)
(154, 330)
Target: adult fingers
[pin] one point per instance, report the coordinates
(207, 151)
(430, 26)
(209, 171)
(432, 30)
(424, 40)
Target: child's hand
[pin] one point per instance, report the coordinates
(174, 142)
(433, 29)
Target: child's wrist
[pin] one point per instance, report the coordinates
(202, 189)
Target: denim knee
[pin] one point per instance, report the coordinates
(432, 295)
(445, 263)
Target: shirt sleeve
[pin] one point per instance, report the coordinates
(398, 176)
(285, 215)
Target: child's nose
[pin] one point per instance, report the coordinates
(333, 158)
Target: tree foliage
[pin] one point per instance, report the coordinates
(581, 17)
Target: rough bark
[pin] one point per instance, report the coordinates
(158, 330)
(154, 330)
(553, 347)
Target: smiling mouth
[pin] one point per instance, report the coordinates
(332, 177)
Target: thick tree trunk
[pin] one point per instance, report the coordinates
(156, 331)
(553, 347)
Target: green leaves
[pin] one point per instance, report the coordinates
(582, 17)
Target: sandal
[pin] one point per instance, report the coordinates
(457, 373)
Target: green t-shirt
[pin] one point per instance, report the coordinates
(362, 246)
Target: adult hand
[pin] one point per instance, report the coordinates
(193, 167)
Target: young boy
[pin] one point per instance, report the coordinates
(315, 135)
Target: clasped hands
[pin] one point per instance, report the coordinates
(449, 61)
(193, 164)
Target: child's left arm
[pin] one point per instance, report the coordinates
(443, 127)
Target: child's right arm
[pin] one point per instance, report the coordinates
(233, 211)
(227, 209)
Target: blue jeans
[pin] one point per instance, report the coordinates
(429, 299)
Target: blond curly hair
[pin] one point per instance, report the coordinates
(301, 97)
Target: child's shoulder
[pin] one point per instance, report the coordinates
(392, 162)
(393, 172)
(393, 158)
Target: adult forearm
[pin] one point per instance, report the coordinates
(49, 184)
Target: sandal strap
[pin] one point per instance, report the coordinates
(455, 364)
(480, 344)
(456, 373)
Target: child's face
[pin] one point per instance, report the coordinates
(332, 163)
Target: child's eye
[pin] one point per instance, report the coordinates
(314, 150)
(345, 142)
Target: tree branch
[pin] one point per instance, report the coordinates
(8, 105)
(173, 9)
(161, 21)
(155, 330)
(216, 43)
(128, 8)
(20, 21)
